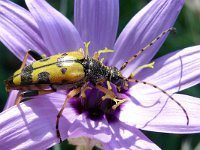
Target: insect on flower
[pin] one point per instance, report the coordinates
(74, 71)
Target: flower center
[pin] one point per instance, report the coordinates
(94, 107)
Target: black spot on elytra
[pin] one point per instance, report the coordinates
(43, 78)
(28, 68)
(26, 77)
(63, 70)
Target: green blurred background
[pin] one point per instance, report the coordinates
(188, 34)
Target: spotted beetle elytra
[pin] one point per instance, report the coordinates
(73, 71)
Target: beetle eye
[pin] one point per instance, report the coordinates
(116, 77)
(119, 82)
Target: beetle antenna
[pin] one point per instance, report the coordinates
(163, 91)
(146, 47)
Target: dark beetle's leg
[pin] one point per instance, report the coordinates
(110, 95)
(31, 93)
(34, 54)
(83, 89)
(97, 54)
(71, 94)
(109, 86)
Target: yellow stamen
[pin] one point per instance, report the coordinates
(150, 65)
(86, 48)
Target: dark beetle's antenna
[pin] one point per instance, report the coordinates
(163, 91)
(146, 47)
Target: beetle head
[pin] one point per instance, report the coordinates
(118, 79)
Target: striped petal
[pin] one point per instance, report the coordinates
(58, 32)
(128, 137)
(97, 22)
(146, 25)
(31, 125)
(11, 99)
(18, 30)
(173, 72)
(162, 114)
(93, 129)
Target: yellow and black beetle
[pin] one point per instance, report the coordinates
(73, 71)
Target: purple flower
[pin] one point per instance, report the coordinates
(42, 28)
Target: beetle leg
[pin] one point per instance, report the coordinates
(150, 65)
(105, 50)
(84, 88)
(87, 48)
(109, 86)
(109, 94)
(96, 54)
(71, 94)
(117, 101)
(31, 93)
(34, 54)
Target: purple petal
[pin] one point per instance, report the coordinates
(97, 21)
(19, 32)
(31, 125)
(92, 129)
(113, 136)
(11, 99)
(146, 25)
(173, 72)
(163, 115)
(58, 32)
(128, 137)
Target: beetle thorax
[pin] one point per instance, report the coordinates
(95, 71)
